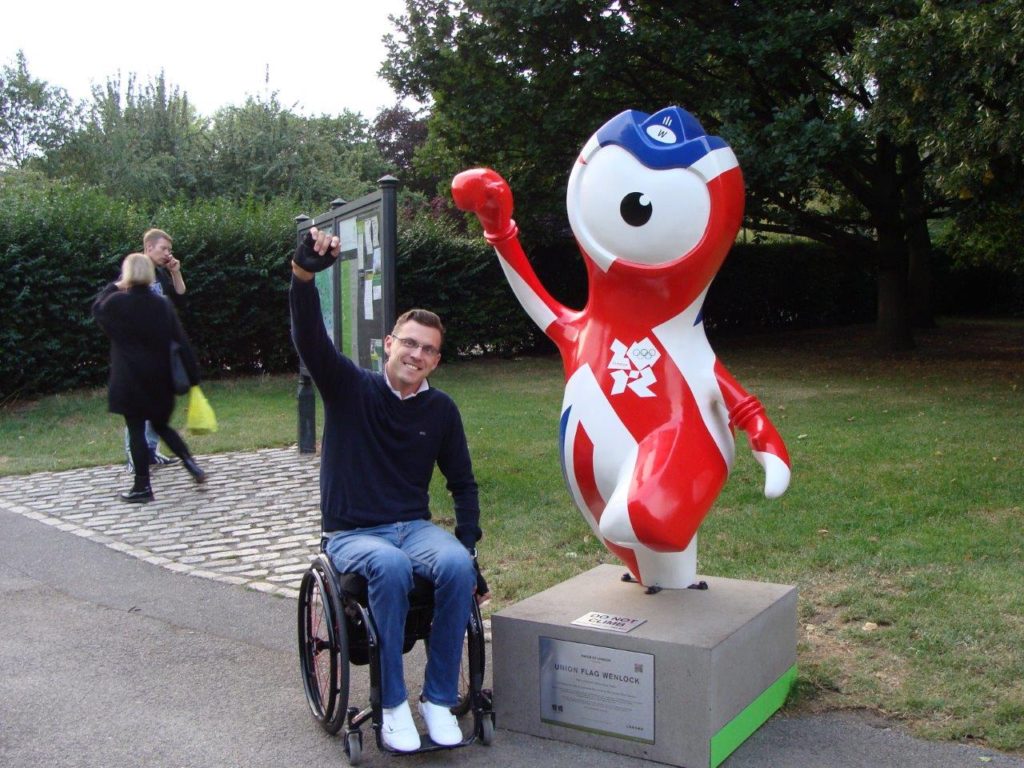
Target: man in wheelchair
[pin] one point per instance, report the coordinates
(383, 435)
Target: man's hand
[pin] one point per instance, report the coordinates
(482, 591)
(317, 251)
(173, 267)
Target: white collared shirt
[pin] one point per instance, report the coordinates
(424, 386)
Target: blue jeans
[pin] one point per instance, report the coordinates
(387, 556)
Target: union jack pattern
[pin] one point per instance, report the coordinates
(649, 412)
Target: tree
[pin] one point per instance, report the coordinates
(146, 143)
(34, 116)
(399, 134)
(263, 150)
(809, 94)
(957, 91)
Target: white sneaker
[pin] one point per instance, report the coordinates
(441, 724)
(398, 730)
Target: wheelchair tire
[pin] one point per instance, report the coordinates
(465, 689)
(487, 729)
(354, 747)
(323, 649)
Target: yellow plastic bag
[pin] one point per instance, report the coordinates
(201, 419)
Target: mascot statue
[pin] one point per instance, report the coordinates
(646, 432)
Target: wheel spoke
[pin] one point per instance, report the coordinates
(321, 642)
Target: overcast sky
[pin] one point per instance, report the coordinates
(322, 57)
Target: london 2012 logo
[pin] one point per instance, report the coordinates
(633, 367)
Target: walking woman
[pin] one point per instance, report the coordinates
(141, 326)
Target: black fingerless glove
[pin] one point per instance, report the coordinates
(469, 535)
(481, 583)
(310, 260)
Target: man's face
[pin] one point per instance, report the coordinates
(160, 252)
(410, 363)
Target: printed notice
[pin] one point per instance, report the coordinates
(597, 689)
(347, 234)
(377, 355)
(368, 298)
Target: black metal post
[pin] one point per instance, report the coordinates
(306, 397)
(389, 247)
(307, 412)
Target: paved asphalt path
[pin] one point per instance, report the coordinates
(107, 660)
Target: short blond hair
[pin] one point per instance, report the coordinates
(153, 236)
(137, 269)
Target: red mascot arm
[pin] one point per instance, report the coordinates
(747, 413)
(485, 193)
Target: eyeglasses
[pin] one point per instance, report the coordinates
(411, 344)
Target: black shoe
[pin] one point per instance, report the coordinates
(137, 497)
(193, 469)
(159, 460)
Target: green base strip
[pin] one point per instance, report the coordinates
(751, 718)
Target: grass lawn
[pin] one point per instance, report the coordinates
(902, 527)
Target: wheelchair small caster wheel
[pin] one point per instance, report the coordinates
(487, 730)
(354, 747)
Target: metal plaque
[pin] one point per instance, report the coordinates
(597, 689)
(598, 620)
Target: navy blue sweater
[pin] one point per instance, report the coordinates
(379, 452)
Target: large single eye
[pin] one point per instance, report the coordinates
(612, 219)
(635, 209)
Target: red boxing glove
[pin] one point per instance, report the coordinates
(485, 193)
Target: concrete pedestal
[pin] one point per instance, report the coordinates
(686, 686)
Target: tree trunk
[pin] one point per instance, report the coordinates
(919, 242)
(893, 330)
(919, 279)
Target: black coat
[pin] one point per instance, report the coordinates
(140, 325)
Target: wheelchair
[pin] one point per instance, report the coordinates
(336, 630)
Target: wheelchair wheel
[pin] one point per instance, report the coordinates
(354, 747)
(487, 729)
(323, 649)
(465, 687)
(473, 658)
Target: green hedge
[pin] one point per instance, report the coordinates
(788, 284)
(235, 264)
(60, 245)
(458, 277)
(760, 286)
(57, 248)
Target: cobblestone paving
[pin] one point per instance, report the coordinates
(254, 522)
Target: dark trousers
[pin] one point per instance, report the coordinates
(140, 450)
